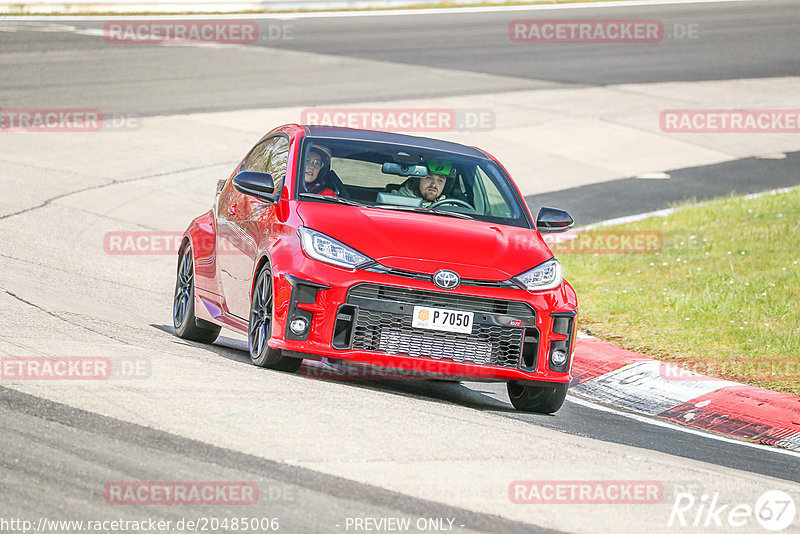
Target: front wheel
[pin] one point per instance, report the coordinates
(186, 324)
(538, 398)
(260, 328)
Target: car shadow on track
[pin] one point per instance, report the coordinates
(227, 347)
(451, 393)
(479, 396)
(380, 379)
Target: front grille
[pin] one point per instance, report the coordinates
(384, 317)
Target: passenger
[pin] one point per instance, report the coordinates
(431, 187)
(318, 165)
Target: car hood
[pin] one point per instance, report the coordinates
(426, 243)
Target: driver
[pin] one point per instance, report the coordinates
(431, 187)
(318, 164)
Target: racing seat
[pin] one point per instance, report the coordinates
(332, 181)
(391, 188)
(336, 184)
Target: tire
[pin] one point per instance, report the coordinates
(544, 398)
(259, 329)
(187, 326)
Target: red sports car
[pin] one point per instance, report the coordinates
(382, 249)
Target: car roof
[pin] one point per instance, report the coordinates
(338, 132)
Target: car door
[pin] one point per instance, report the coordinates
(242, 220)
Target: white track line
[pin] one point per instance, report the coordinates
(653, 420)
(383, 13)
(679, 428)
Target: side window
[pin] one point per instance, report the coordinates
(497, 204)
(270, 156)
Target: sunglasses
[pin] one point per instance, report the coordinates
(314, 162)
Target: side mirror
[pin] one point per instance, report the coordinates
(553, 220)
(256, 184)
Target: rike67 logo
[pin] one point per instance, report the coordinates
(774, 510)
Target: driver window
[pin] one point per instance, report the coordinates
(270, 156)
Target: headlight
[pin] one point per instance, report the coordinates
(544, 276)
(327, 249)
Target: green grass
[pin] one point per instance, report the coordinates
(722, 298)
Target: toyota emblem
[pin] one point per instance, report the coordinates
(446, 279)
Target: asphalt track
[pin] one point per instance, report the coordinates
(631, 196)
(734, 40)
(57, 456)
(89, 450)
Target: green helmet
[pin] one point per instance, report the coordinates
(436, 166)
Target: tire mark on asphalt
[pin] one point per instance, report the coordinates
(78, 275)
(112, 182)
(57, 316)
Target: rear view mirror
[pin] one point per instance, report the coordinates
(404, 170)
(553, 220)
(256, 184)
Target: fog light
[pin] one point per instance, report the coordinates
(298, 326)
(558, 357)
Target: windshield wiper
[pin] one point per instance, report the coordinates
(331, 198)
(425, 210)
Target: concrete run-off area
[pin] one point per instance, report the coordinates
(64, 295)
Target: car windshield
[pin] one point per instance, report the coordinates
(389, 176)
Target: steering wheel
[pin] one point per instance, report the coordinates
(336, 184)
(454, 201)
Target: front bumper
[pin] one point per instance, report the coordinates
(365, 317)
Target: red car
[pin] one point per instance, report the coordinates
(382, 249)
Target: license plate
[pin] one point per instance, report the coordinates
(443, 320)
